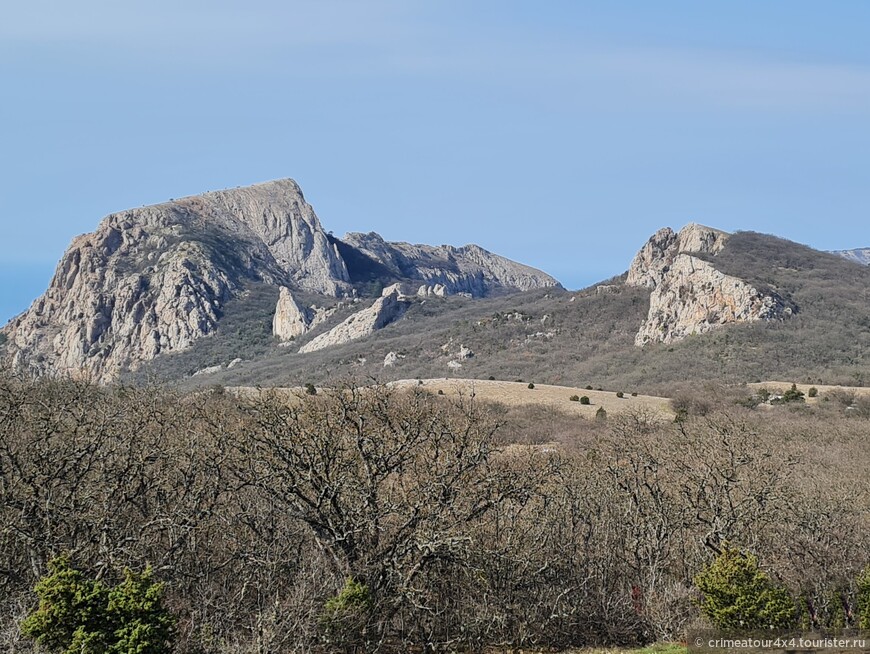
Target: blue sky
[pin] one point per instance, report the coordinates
(560, 134)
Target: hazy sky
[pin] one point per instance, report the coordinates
(561, 133)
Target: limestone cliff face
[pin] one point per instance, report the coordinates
(126, 293)
(279, 215)
(689, 295)
(447, 270)
(365, 322)
(155, 279)
(650, 265)
(291, 318)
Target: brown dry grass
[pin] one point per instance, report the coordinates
(557, 397)
(516, 394)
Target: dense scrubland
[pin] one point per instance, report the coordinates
(377, 519)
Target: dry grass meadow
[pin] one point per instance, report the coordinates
(517, 394)
(514, 394)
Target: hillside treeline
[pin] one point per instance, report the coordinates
(371, 519)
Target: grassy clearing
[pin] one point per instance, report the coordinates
(514, 394)
(519, 395)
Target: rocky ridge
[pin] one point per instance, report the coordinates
(858, 255)
(365, 322)
(448, 270)
(153, 280)
(688, 294)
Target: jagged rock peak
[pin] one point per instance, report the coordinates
(700, 238)
(657, 255)
(155, 279)
(468, 269)
(120, 297)
(291, 319)
(278, 214)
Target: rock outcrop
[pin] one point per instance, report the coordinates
(365, 322)
(447, 270)
(858, 255)
(435, 290)
(392, 358)
(124, 295)
(464, 353)
(153, 280)
(291, 319)
(651, 264)
(279, 215)
(689, 295)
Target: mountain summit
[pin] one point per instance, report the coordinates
(155, 279)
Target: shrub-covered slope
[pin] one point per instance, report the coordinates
(581, 338)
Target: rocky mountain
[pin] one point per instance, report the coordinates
(707, 305)
(688, 294)
(246, 287)
(858, 255)
(154, 280)
(443, 270)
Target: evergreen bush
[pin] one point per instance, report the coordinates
(345, 615)
(737, 594)
(77, 614)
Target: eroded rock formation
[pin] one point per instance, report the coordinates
(363, 323)
(689, 295)
(291, 319)
(447, 270)
(153, 280)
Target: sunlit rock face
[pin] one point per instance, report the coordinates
(688, 294)
(382, 312)
(155, 279)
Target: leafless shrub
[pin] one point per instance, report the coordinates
(560, 532)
